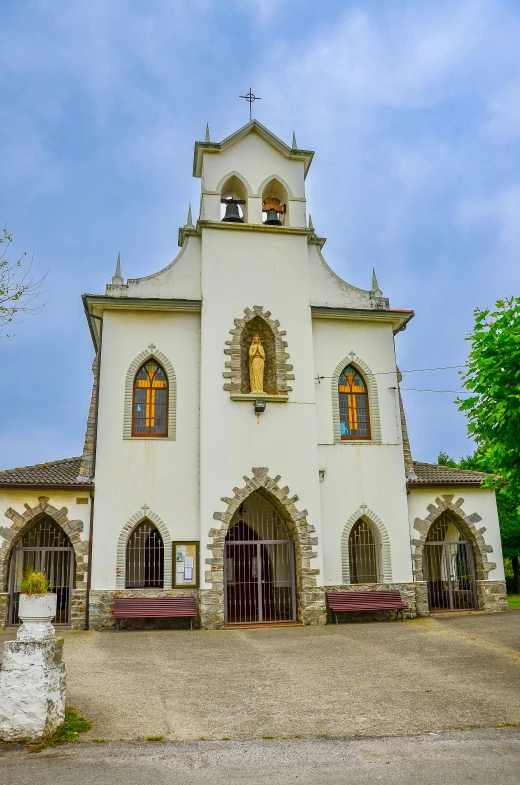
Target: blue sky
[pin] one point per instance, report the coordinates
(412, 107)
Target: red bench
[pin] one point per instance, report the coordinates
(356, 601)
(154, 608)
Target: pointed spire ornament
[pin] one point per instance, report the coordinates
(117, 279)
(189, 222)
(208, 138)
(310, 225)
(294, 144)
(376, 291)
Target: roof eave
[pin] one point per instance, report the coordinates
(438, 484)
(28, 486)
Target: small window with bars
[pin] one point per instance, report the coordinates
(150, 401)
(353, 405)
(144, 558)
(363, 554)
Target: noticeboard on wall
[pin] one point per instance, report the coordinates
(185, 564)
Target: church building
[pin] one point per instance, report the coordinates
(246, 442)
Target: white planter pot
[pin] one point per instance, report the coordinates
(36, 612)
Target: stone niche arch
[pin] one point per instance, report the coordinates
(277, 369)
(150, 353)
(145, 513)
(373, 399)
(466, 524)
(20, 522)
(310, 597)
(378, 527)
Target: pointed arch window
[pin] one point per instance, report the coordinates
(150, 401)
(144, 558)
(363, 553)
(353, 405)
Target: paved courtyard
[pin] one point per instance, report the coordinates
(366, 679)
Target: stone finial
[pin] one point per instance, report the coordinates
(189, 222)
(294, 143)
(117, 279)
(310, 224)
(208, 138)
(375, 290)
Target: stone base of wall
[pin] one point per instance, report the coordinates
(312, 606)
(102, 610)
(211, 609)
(4, 606)
(492, 596)
(78, 607)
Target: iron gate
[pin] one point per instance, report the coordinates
(259, 579)
(44, 548)
(450, 575)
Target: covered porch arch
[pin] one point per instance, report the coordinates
(310, 601)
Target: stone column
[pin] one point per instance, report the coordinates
(32, 688)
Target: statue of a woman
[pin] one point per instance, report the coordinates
(256, 365)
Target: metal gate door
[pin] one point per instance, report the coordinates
(43, 548)
(259, 581)
(450, 575)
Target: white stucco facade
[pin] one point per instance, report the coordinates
(187, 317)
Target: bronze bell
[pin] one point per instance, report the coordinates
(232, 213)
(272, 218)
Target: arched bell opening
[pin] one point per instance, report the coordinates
(449, 566)
(259, 565)
(259, 327)
(43, 547)
(275, 204)
(233, 198)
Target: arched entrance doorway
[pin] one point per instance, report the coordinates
(44, 547)
(449, 567)
(259, 566)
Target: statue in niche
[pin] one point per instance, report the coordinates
(256, 366)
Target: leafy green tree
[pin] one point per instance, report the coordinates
(493, 376)
(19, 289)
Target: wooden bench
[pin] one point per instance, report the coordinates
(356, 601)
(154, 608)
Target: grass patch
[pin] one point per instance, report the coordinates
(225, 738)
(155, 738)
(99, 741)
(513, 600)
(67, 733)
(322, 736)
(268, 738)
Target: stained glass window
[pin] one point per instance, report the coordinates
(353, 405)
(150, 402)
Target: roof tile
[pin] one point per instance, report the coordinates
(433, 474)
(64, 472)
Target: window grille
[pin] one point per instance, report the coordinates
(363, 554)
(144, 558)
(150, 401)
(353, 405)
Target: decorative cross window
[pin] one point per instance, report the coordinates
(353, 405)
(150, 401)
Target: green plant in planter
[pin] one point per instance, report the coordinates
(34, 583)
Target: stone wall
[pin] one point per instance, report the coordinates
(102, 609)
(4, 606)
(492, 596)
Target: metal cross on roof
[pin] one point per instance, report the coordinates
(250, 97)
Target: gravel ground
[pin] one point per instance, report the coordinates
(372, 679)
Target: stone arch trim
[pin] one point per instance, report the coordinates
(147, 354)
(21, 522)
(311, 600)
(466, 524)
(280, 180)
(233, 372)
(145, 513)
(373, 400)
(384, 541)
(239, 176)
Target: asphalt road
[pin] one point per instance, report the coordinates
(476, 757)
